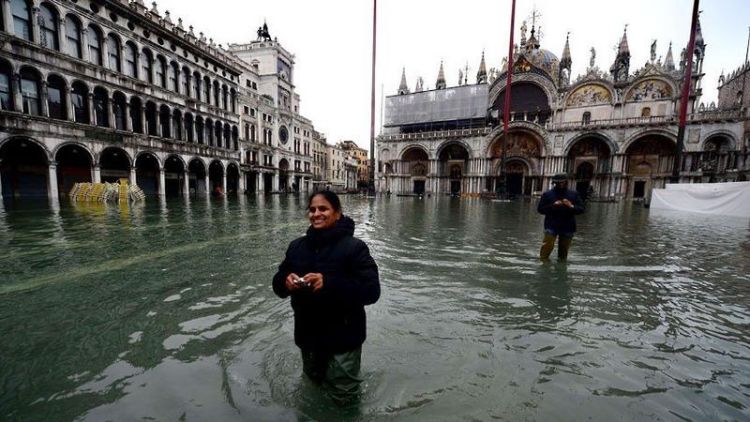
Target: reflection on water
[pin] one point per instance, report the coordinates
(163, 311)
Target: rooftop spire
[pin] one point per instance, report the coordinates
(440, 84)
(482, 72)
(669, 61)
(624, 48)
(403, 88)
(565, 59)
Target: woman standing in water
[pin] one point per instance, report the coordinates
(330, 276)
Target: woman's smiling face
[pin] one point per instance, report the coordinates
(321, 213)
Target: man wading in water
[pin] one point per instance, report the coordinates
(559, 206)
(330, 276)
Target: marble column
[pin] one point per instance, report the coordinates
(133, 180)
(17, 94)
(44, 99)
(52, 181)
(90, 106)
(7, 16)
(162, 182)
(84, 43)
(69, 104)
(241, 182)
(110, 112)
(206, 184)
(96, 176)
(62, 40)
(36, 34)
(128, 120)
(224, 182)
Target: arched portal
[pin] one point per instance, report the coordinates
(115, 165)
(216, 176)
(174, 176)
(523, 148)
(73, 166)
(649, 163)
(147, 173)
(24, 168)
(528, 102)
(233, 178)
(416, 162)
(453, 163)
(590, 159)
(197, 177)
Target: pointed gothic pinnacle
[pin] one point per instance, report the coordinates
(482, 72)
(403, 88)
(441, 77)
(669, 61)
(566, 59)
(624, 49)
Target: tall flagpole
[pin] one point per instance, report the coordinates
(684, 100)
(506, 107)
(371, 182)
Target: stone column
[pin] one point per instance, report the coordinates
(90, 105)
(110, 112)
(35, 33)
(52, 181)
(85, 43)
(17, 95)
(45, 100)
(206, 184)
(144, 123)
(133, 180)
(162, 182)
(260, 183)
(105, 50)
(185, 184)
(224, 182)
(241, 182)
(7, 16)
(69, 104)
(128, 120)
(96, 176)
(62, 40)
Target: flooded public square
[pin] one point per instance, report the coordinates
(164, 311)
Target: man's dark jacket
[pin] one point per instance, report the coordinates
(560, 219)
(331, 320)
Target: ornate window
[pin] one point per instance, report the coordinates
(113, 45)
(164, 117)
(177, 125)
(48, 27)
(161, 68)
(73, 37)
(131, 67)
(79, 97)
(135, 114)
(197, 86)
(118, 108)
(189, 127)
(147, 65)
(185, 89)
(586, 118)
(30, 92)
(95, 46)
(6, 96)
(21, 19)
(199, 129)
(100, 107)
(174, 76)
(56, 97)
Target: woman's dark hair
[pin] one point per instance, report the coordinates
(329, 196)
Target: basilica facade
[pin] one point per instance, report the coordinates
(97, 91)
(613, 132)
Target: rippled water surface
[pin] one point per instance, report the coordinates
(164, 312)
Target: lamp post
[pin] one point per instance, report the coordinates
(506, 107)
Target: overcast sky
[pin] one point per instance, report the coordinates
(331, 40)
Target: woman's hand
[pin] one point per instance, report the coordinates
(314, 280)
(291, 284)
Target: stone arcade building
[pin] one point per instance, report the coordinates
(102, 90)
(614, 133)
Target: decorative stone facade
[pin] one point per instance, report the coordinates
(614, 134)
(102, 90)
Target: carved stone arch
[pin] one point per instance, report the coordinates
(672, 136)
(598, 135)
(632, 91)
(92, 156)
(545, 84)
(11, 138)
(153, 154)
(179, 157)
(409, 147)
(720, 133)
(529, 166)
(533, 131)
(459, 142)
(575, 91)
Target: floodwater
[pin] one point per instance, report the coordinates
(163, 311)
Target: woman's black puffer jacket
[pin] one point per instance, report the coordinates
(331, 320)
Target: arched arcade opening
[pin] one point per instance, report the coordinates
(24, 168)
